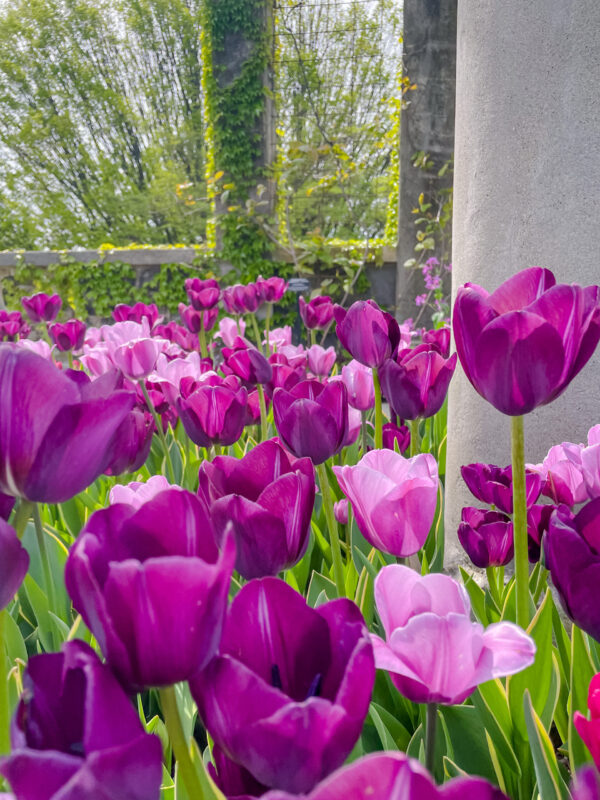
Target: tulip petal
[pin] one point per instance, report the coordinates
(512, 649)
(14, 563)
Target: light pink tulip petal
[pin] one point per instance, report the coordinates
(512, 649)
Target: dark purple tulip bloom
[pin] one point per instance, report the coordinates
(538, 520)
(131, 443)
(136, 313)
(13, 326)
(392, 776)
(267, 500)
(271, 290)
(41, 307)
(493, 485)
(369, 334)
(203, 294)
(487, 537)
(244, 298)
(233, 299)
(77, 736)
(14, 563)
(440, 339)
(317, 313)
(392, 434)
(68, 335)
(232, 779)
(417, 383)
(194, 320)
(247, 363)
(312, 418)
(213, 414)
(7, 503)
(287, 695)
(523, 344)
(56, 437)
(586, 785)
(152, 587)
(176, 333)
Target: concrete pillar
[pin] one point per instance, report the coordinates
(527, 192)
(427, 124)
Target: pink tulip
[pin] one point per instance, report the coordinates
(136, 493)
(279, 337)
(136, 359)
(229, 329)
(433, 652)
(562, 474)
(320, 360)
(590, 461)
(123, 332)
(169, 374)
(393, 499)
(359, 383)
(39, 346)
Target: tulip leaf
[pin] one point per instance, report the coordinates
(582, 672)
(15, 644)
(392, 733)
(364, 562)
(491, 702)
(452, 770)
(318, 584)
(549, 709)
(550, 783)
(39, 604)
(538, 677)
(466, 740)
(563, 642)
(476, 595)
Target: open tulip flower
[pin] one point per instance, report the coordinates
(563, 475)
(393, 499)
(267, 501)
(433, 652)
(392, 776)
(487, 537)
(493, 485)
(56, 436)
(320, 360)
(42, 308)
(247, 363)
(288, 693)
(136, 313)
(523, 344)
(152, 586)
(76, 735)
(369, 334)
(67, 335)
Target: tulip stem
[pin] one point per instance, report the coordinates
(312, 335)
(41, 540)
(181, 750)
(268, 327)
(22, 516)
(430, 730)
(520, 521)
(4, 701)
(256, 330)
(334, 539)
(415, 442)
(264, 431)
(378, 411)
(202, 338)
(159, 431)
(363, 428)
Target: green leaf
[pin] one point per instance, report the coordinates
(476, 595)
(319, 583)
(491, 702)
(466, 732)
(582, 672)
(550, 783)
(392, 733)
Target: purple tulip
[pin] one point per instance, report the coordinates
(267, 500)
(523, 344)
(152, 586)
(392, 435)
(417, 383)
(14, 563)
(572, 554)
(203, 294)
(586, 785)
(241, 298)
(340, 510)
(76, 735)
(177, 334)
(392, 776)
(41, 307)
(538, 521)
(195, 320)
(317, 313)
(358, 380)
(247, 363)
(232, 779)
(131, 443)
(56, 437)
(13, 326)
(440, 339)
(563, 474)
(493, 485)
(434, 653)
(320, 360)
(136, 359)
(287, 695)
(136, 313)
(369, 334)
(312, 418)
(393, 499)
(271, 290)
(487, 537)
(67, 335)
(213, 415)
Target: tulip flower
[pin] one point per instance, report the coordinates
(562, 474)
(137, 493)
(232, 779)
(152, 587)
(487, 537)
(271, 289)
(241, 298)
(340, 509)
(77, 735)
(246, 362)
(14, 563)
(493, 485)
(589, 729)
(136, 313)
(203, 294)
(317, 313)
(572, 554)
(267, 501)
(369, 334)
(586, 785)
(229, 329)
(195, 320)
(41, 307)
(213, 415)
(392, 776)
(590, 462)
(523, 344)
(131, 443)
(67, 335)
(395, 437)
(279, 337)
(417, 383)
(7, 503)
(13, 326)
(136, 359)
(39, 346)
(177, 334)
(440, 339)
(358, 380)
(56, 437)
(538, 521)
(320, 360)
(288, 693)
(312, 418)
(393, 499)
(433, 652)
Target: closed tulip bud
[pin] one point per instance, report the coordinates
(271, 290)
(320, 360)
(67, 335)
(396, 437)
(13, 326)
(538, 521)
(487, 537)
(136, 313)
(563, 474)
(137, 359)
(247, 363)
(340, 510)
(203, 294)
(358, 380)
(42, 307)
(493, 485)
(440, 339)
(229, 330)
(317, 313)
(369, 334)
(213, 415)
(131, 443)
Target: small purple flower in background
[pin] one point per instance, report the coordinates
(41, 307)
(67, 335)
(288, 693)
(487, 537)
(203, 294)
(13, 326)
(396, 438)
(340, 510)
(433, 652)
(420, 300)
(317, 313)
(369, 334)
(76, 733)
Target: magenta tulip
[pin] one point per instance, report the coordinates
(317, 313)
(563, 475)
(440, 339)
(213, 415)
(203, 294)
(493, 485)
(136, 313)
(538, 522)
(131, 443)
(42, 307)
(393, 499)
(523, 344)
(247, 363)
(589, 729)
(369, 334)
(358, 380)
(586, 785)
(67, 335)
(320, 360)
(136, 359)
(271, 289)
(396, 437)
(13, 326)
(487, 537)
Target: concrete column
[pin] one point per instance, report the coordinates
(527, 192)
